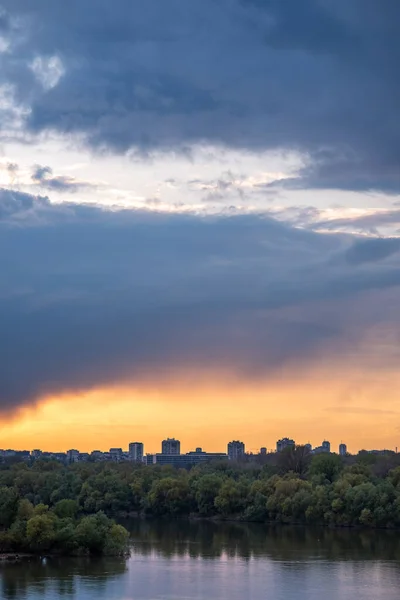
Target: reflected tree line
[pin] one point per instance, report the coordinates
(302, 546)
(208, 540)
(57, 577)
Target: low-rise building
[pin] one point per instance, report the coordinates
(97, 455)
(324, 448)
(60, 456)
(116, 454)
(83, 456)
(187, 460)
(150, 459)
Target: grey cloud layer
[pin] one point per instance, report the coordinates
(317, 76)
(90, 297)
(44, 177)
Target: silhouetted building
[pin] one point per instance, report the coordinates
(284, 443)
(325, 448)
(72, 455)
(36, 453)
(185, 460)
(263, 451)
(116, 454)
(7, 453)
(150, 459)
(136, 451)
(342, 449)
(97, 455)
(61, 456)
(83, 456)
(171, 446)
(308, 447)
(236, 450)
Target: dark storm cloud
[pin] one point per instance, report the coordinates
(14, 204)
(347, 172)
(372, 250)
(317, 76)
(91, 296)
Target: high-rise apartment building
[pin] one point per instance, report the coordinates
(136, 451)
(326, 446)
(284, 443)
(171, 446)
(236, 450)
(72, 455)
(342, 449)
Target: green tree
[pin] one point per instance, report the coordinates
(65, 540)
(117, 541)
(41, 509)
(296, 459)
(26, 509)
(230, 499)
(66, 509)
(40, 532)
(327, 465)
(90, 533)
(207, 488)
(169, 496)
(8, 506)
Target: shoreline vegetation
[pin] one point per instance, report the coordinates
(49, 508)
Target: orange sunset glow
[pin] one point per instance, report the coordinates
(339, 404)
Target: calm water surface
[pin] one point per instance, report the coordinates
(206, 561)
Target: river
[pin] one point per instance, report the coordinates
(181, 560)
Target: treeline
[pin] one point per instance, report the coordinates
(46, 506)
(39, 529)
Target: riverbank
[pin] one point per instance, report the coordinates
(240, 519)
(14, 557)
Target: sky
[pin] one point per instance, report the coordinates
(199, 223)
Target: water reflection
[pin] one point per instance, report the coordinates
(230, 561)
(57, 577)
(209, 539)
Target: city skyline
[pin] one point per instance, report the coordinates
(235, 449)
(170, 456)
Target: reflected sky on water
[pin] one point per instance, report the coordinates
(179, 560)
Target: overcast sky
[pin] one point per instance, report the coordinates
(192, 184)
